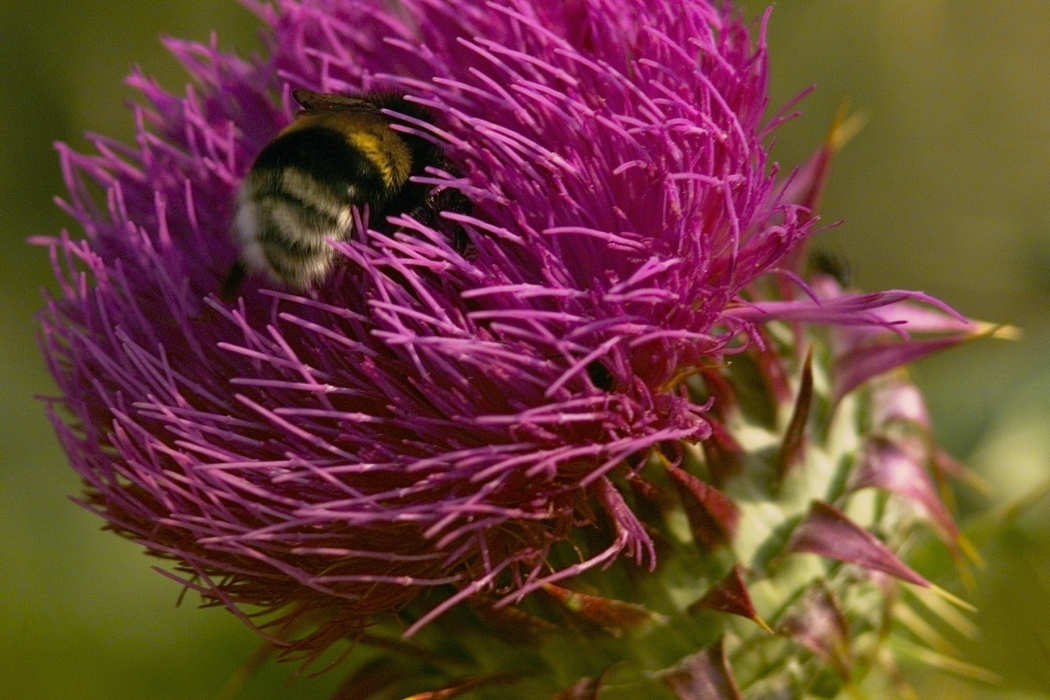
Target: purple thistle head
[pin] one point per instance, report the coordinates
(452, 405)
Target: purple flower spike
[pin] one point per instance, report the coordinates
(448, 407)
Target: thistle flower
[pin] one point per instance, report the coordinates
(582, 406)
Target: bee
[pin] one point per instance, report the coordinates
(340, 152)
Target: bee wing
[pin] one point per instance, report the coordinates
(331, 102)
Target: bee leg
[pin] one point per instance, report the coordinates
(231, 285)
(452, 200)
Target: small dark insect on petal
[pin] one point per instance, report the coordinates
(828, 262)
(231, 284)
(600, 376)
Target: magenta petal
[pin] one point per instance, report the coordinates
(845, 310)
(886, 465)
(927, 319)
(896, 401)
(817, 623)
(828, 532)
(862, 364)
(630, 533)
(704, 675)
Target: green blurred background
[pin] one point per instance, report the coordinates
(947, 189)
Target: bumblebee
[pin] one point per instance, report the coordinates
(338, 153)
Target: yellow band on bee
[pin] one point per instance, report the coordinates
(386, 152)
(370, 134)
